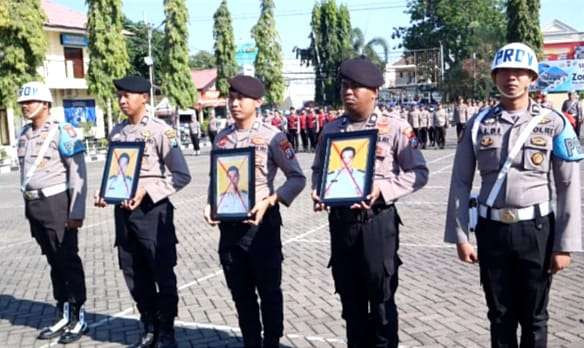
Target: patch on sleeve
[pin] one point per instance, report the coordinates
(221, 142)
(171, 135)
(411, 135)
(69, 142)
(286, 148)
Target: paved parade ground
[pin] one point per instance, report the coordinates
(440, 300)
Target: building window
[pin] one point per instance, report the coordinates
(74, 62)
(4, 135)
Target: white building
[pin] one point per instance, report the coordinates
(64, 71)
(300, 83)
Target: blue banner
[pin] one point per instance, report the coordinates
(79, 111)
(561, 75)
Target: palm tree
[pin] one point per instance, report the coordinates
(368, 49)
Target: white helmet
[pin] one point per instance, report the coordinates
(36, 91)
(515, 56)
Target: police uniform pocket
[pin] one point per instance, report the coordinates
(536, 154)
(489, 154)
(146, 161)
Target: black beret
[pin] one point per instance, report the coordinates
(362, 71)
(134, 84)
(247, 86)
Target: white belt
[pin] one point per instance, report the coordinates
(45, 192)
(513, 215)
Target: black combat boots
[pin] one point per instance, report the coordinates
(59, 325)
(77, 326)
(150, 333)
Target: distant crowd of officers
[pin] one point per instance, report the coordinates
(302, 126)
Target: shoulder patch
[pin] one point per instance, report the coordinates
(286, 148)
(69, 142)
(171, 136)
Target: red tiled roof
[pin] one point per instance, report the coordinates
(203, 78)
(62, 16)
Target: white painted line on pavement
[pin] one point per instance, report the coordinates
(440, 158)
(32, 240)
(16, 244)
(220, 270)
(236, 330)
(184, 286)
(441, 169)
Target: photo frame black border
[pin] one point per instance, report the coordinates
(121, 145)
(371, 136)
(215, 156)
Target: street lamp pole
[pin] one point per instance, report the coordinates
(150, 70)
(149, 60)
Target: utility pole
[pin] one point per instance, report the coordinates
(149, 60)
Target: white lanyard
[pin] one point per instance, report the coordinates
(40, 155)
(514, 151)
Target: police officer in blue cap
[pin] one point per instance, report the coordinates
(522, 243)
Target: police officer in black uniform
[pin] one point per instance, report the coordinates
(145, 234)
(365, 236)
(251, 251)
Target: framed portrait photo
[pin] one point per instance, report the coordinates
(347, 171)
(232, 183)
(121, 171)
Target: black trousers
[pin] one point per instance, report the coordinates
(514, 260)
(304, 138)
(312, 137)
(371, 320)
(146, 242)
(195, 141)
(432, 135)
(423, 136)
(47, 217)
(293, 138)
(460, 129)
(259, 268)
(440, 135)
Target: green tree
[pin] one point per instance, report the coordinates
(344, 32)
(330, 45)
(268, 63)
(202, 60)
(523, 23)
(108, 56)
(224, 48)
(177, 83)
(137, 44)
(466, 29)
(360, 47)
(23, 45)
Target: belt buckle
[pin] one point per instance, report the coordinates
(509, 216)
(30, 195)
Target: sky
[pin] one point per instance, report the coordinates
(375, 18)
